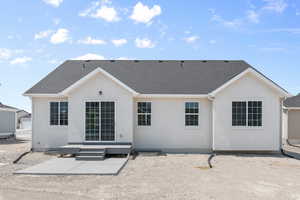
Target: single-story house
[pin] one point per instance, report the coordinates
(167, 105)
(8, 121)
(291, 120)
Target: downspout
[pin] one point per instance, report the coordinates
(212, 98)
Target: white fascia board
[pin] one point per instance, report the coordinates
(292, 108)
(256, 74)
(186, 96)
(44, 95)
(91, 74)
(8, 109)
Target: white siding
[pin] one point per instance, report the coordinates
(45, 136)
(227, 137)
(111, 91)
(7, 122)
(168, 131)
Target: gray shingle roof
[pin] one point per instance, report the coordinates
(7, 107)
(292, 101)
(147, 76)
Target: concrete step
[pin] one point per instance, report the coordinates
(89, 158)
(92, 149)
(91, 153)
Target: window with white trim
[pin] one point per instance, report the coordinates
(247, 113)
(254, 113)
(59, 113)
(191, 114)
(144, 113)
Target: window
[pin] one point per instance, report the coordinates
(191, 113)
(254, 113)
(59, 113)
(247, 113)
(54, 113)
(63, 113)
(144, 113)
(239, 113)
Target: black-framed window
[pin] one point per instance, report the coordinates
(59, 113)
(239, 113)
(247, 113)
(63, 113)
(254, 113)
(144, 113)
(191, 114)
(54, 113)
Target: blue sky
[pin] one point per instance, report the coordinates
(37, 35)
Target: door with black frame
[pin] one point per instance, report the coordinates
(100, 121)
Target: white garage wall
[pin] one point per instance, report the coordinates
(45, 136)
(168, 132)
(7, 121)
(226, 137)
(111, 91)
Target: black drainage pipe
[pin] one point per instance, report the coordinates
(21, 156)
(210, 158)
(285, 154)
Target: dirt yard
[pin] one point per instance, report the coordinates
(172, 176)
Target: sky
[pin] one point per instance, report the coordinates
(36, 36)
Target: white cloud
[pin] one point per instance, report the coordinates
(287, 30)
(143, 14)
(275, 5)
(90, 40)
(144, 43)
(228, 23)
(90, 56)
(20, 60)
(5, 53)
(119, 42)
(109, 14)
(212, 41)
(60, 36)
(191, 39)
(42, 34)
(54, 3)
(101, 10)
(297, 13)
(252, 16)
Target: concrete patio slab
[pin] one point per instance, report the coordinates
(70, 166)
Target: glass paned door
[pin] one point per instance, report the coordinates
(92, 121)
(100, 121)
(107, 121)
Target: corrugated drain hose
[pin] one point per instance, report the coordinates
(210, 158)
(21, 156)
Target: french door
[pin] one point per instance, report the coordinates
(100, 121)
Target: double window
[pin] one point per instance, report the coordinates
(59, 113)
(191, 114)
(144, 113)
(247, 113)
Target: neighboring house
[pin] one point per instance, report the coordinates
(291, 120)
(173, 106)
(8, 121)
(24, 119)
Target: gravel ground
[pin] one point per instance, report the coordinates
(172, 176)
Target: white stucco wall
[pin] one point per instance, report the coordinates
(226, 137)
(168, 131)
(111, 91)
(45, 136)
